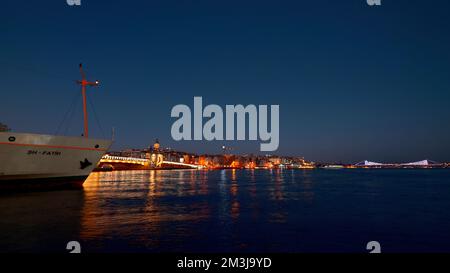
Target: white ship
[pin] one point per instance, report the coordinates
(47, 161)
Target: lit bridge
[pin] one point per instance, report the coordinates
(109, 159)
(421, 163)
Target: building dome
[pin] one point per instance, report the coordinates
(156, 145)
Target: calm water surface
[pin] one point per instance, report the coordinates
(235, 210)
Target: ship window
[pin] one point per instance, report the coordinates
(12, 139)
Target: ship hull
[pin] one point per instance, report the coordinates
(33, 161)
(66, 182)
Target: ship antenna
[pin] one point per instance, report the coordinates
(83, 84)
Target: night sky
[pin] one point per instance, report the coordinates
(353, 82)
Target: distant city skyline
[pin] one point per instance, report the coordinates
(354, 82)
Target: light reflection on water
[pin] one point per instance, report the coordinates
(146, 206)
(134, 206)
(277, 210)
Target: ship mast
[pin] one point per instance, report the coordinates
(83, 84)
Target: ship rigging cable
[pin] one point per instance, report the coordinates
(95, 116)
(68, 115)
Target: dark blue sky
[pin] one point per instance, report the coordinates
(353, 82)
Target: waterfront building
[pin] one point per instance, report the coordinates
(154, 155)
